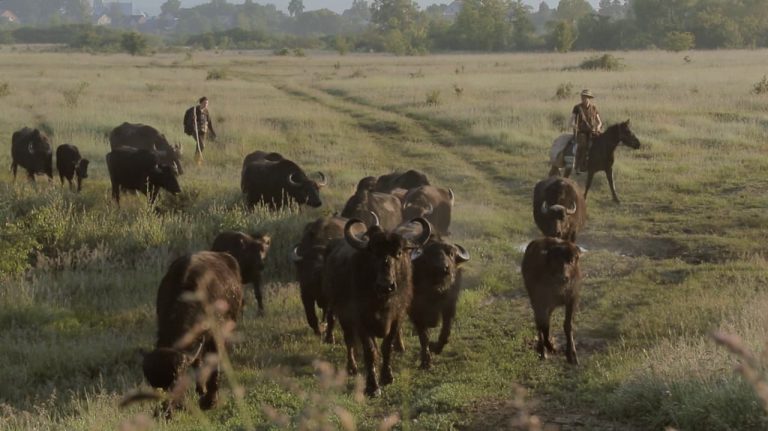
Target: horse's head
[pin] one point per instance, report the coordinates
(627, 137)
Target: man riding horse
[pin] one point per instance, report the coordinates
(586, 124)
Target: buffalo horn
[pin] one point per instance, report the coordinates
(544, 207)
(452, 196)
(323, 180)
(376, 221)
(463, 254)
(430, 209)
(352, 240)
(571, 210)
(291, 181)
(426, 231)
(295, 256)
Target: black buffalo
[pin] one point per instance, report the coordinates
(369, 285)
(365, 205)
(132, 169)
(309, 257)
(433, 203)
(71, 165)
(31, 150)
(400, 180)
(143, 137)
(559, 208)
(271, 179)
(199, 292)
(436, 287)
(250, 252)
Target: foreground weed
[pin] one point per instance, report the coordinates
(751, 366)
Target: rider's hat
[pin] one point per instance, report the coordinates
(588, 93)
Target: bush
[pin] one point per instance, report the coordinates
(72, 96)
(433, 98)
(564, 91)
(134, 43)
(298, 52)
(677, 41)
(5, 89)
(217, 75)
(603, 62)
(281, 51)
(761, 87)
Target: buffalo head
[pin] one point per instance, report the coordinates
(440, 263)
(164, 176)
(304, 190)
(562, 261)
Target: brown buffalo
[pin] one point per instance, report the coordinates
(31, 150)
(143, 137)
(250, 252)
(552, 277)
(400, 180)
(369, 285)
(71, 165)
(436, 287)
(432, 203)
(559, 208)
(271, 179)
(364, 204)
(201, 293)
(139, 170)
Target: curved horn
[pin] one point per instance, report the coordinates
(352, 240)
(293, 182)
(571, 210)
(452, 196)
(323, 180)
(376, 221)
(430, 210)
(544, 207)
(463, 254)
(295, 256)
(426, 232)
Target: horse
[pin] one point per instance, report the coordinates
(599, 157)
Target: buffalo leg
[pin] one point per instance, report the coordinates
(210, 394)
(259, 295)
(543, 344)
(449, 313)
(398, 341)
(330, 321)
(570, 350)
(554, 171)
(369, 354)
(590, 175)
(349, 339)
(386, 352)
(309, 310)
(14, 168)
(426, 357)
(116, 193)
(609, 174)
(79, 184)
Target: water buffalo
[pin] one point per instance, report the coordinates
(552, 277)
(250, 252)
(143, 137)
(558, 208)
(433, 203)
(31, 150)
(368, 283)
(201, 293)
(132, 169)
(600, 155)
(309, 257)
(436, 286)
(270, 179)
(70, 165)
(364, 204)
(400, 180)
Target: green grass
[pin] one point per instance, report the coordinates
(683, 255)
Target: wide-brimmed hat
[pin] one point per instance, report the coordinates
(588, 93)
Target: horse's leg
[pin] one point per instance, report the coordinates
(554, 171)
(590, 175)
(609, 174)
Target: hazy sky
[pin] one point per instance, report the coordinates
(153, 6)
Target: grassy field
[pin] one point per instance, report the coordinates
(684, 255)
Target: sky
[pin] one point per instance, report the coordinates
(153, 6)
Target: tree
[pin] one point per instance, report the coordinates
(358, 11)
(394, 14)
(483, 25)
(170, 7)
(562, 36)
(572, 10)
(134, 43)
(522, 27)
(677, 41)
(296, 7)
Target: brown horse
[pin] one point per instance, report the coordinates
(600, 157)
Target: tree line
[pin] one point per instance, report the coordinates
(401, 27)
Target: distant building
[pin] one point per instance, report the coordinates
(101, 7)
(102, 19)
(453, 9)
(9, 16)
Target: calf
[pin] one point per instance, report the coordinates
(31, 150)
(432, 203)
(558, 208)
(250, 252)
(552, 277)
(309, 258)
(132, 169)
(369, 285)
(436, 286)
(70, 165)
(199, 298)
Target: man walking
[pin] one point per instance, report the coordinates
(197, 123)
(586, 124)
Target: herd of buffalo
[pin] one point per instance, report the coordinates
(383, 260)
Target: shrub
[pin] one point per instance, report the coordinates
(72, 96)
(433, 98)
(677, 41)
(281, 51)
(298, 52)
(5, 89)
(603, 62)
(134, 43)
(358, 73)
(216, 75)
(761, 87)
(564, 91)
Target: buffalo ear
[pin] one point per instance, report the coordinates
(627, 122)
(416, 253)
